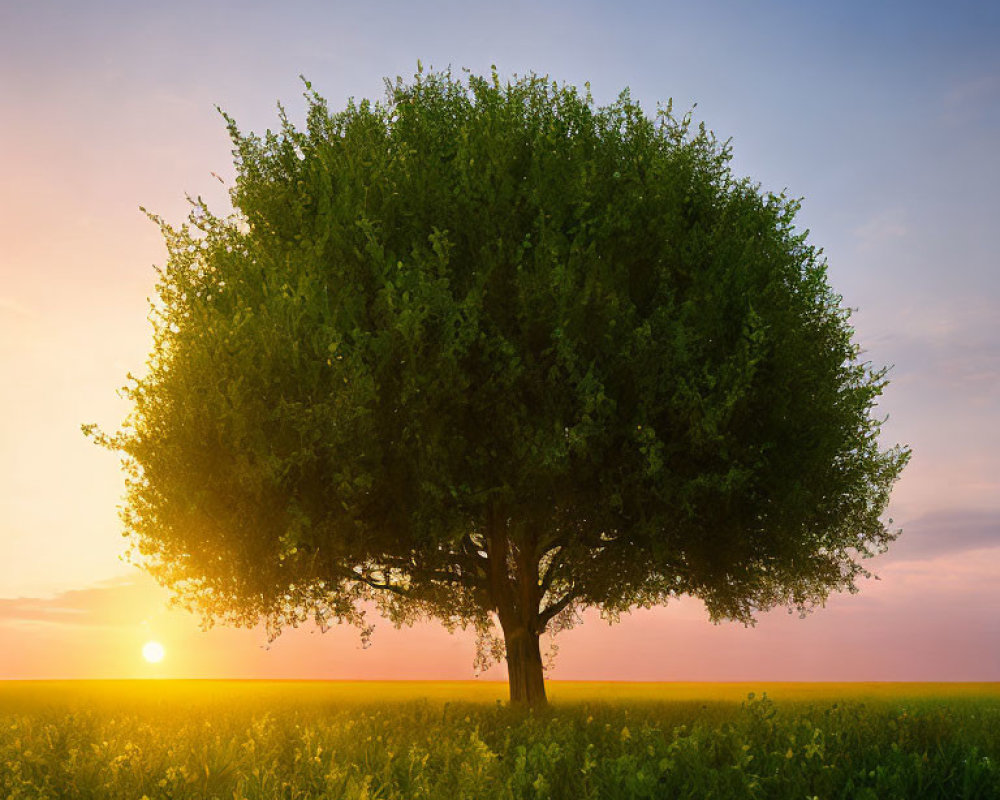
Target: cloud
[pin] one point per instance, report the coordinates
(118, 601)
(99, 631)
(930, 618)
(882, 228)
(927, 620)
(943, 532)
(945, 348)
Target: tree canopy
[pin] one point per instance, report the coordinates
(488, 352)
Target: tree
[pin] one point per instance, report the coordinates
(489, 353)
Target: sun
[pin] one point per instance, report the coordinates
(153, 652)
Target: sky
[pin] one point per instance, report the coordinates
(883, 117)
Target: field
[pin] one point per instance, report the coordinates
(164, 739)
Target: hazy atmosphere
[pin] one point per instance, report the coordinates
(884, 120)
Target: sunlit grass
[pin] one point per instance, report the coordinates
(174, 739)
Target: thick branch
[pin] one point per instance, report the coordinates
(550, 543)
(465, 575)
(544, 617)
(462, 579)
(499, 577)
(379, 585)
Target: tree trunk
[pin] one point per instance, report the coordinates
(524, 668)
(514, 591)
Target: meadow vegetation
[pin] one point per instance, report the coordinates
(199, 740)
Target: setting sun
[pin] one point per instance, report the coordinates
(153, 652)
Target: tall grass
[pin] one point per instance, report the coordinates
(302, 740)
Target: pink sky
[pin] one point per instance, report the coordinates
(913, 624)
(120, 113)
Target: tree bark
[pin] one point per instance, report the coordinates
(524, 667)
(514, 590)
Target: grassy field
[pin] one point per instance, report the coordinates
(165, 739)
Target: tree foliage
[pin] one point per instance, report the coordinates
(486, 351)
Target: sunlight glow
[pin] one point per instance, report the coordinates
(153, 652)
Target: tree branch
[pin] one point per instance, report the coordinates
(544, 617)
(553, 543)
(464, 579)
(546, 581)
(377, 585)
(466, 575)
(499, 576)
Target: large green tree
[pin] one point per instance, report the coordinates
(490, 353)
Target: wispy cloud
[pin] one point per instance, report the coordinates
(947, 531)
(884, 227)
(953, 347)
(118, 601)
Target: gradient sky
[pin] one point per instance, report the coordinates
(884, 117)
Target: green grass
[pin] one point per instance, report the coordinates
(165, 739)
